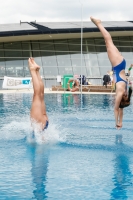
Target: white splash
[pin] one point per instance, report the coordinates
(21, 128)
(15, 130)
(51, 135)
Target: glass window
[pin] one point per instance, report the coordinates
(101, 49)
(48, 53)
(126, 54)
(14, 67)
(2, 67)
(128, 63)
(125, 47)
(116, 41)
(95, 71)
(104, 70)
(125, 41)
(50, 71)
(89, 73)
(91, 62)
(91, 56)
(77, 62)
(61, 49)
(47, 49)
(131, 40)
(90, 45)
(63, 62)
(1, 50)
(14, 54)
(65, 70)
(35, 50)
(99, 42)
(103, 62)
(13, 45)
(102, 55)
(49, 61)
(26, 50)
(75, 48)
(13, 49)
(26, 68)
(77, 70)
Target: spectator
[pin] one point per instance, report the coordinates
(83, 80)
(129, 69)
(106, 79)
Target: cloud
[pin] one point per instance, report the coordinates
(12, 11)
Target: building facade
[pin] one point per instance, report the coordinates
(56, 47)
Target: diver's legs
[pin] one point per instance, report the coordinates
(114, 55)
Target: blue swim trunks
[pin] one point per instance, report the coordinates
(46, 126)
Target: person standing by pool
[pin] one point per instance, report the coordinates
(38, 109)
(106, 79)
(129, 69)
(118, 64)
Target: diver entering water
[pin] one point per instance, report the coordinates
(38, 109)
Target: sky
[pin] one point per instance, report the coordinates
(12, 11)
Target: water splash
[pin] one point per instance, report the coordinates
(51, 135)
(14, 130)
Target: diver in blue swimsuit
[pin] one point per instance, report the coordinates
(38, 109)
(118, 63)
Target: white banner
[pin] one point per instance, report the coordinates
(17, 83)
(58, 79)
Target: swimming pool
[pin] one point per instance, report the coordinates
(84, 156)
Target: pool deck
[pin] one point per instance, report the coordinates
(49, 91)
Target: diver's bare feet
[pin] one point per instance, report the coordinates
(33, 66)
(95, 21)
(34, 63)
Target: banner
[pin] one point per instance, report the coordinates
(17, 83)
(58, 79)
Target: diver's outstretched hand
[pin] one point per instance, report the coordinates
(118, 126)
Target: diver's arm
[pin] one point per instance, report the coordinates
(116, 107)
(120, 116)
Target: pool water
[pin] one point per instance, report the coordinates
(83, 157)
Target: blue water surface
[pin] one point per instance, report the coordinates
(83, 157)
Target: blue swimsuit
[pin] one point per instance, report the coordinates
(46, 126)
(33, 133)
(117, 71)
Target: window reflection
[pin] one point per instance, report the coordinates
(51, 61)
(65, 70)
(61, 56)
(104, 70)
(95, 71)
(103, 62)
(92, 63)
(64, 62)
(2, 68)
(77, 62)
(14, 67)
(50, 71)
(77, 70)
